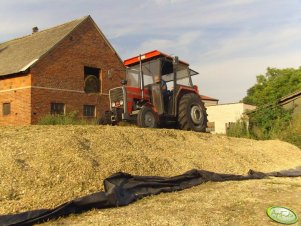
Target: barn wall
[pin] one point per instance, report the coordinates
(59, 76)
(16, 91)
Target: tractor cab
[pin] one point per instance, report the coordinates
(143, 70)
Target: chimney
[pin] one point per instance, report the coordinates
(35, 30)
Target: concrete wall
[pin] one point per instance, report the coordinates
(221, 115)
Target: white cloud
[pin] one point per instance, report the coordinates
(178, 44)
(228, 42)
(229, 80)
(116, 33)
(251, 43)
(167, 2)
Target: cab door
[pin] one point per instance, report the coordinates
(157, 98)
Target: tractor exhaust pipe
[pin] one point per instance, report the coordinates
(141, 77)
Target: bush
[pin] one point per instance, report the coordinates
(271, 122)
(238, 129)
(292, 133)
(70, 118)
(267, 121)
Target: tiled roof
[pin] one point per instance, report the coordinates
(290, 97)
(19, 54)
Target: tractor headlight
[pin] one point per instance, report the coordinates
(121, 102)
(113, 104)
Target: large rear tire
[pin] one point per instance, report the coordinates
(147, 118)
(192, 113)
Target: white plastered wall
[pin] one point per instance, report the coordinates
(225, 113)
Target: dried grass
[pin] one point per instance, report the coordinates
(234, 203)
(44, 166)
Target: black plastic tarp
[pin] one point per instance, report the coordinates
(121, 189)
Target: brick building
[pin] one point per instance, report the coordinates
(58, 70)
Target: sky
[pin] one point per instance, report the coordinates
(229, 42)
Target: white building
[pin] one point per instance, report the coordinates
(220, 116)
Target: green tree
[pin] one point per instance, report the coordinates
(271, 121)
(268, 121)
(275, 84)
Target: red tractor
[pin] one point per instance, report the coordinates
(143, 101)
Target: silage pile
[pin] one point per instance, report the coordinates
(44, 166)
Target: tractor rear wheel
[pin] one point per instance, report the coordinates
(147, 118)
(192, 113)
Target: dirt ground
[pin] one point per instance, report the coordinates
(44, 166)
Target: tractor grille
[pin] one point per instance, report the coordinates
(116, 94)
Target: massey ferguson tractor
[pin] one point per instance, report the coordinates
(141, 100)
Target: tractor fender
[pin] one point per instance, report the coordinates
(181, 92)
(149, 104)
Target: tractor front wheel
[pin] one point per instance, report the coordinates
(105, 118)
(147, 118)
(192, 113)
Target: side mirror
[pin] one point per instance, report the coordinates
(124, 82)
(176, 60)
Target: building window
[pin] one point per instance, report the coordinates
(89, 111)
(92, 82)
(57, 109)
(6, 109)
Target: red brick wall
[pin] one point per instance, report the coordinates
(63, 70)
(59, 77)
(16, 91)
(73, 102)
(13, 82)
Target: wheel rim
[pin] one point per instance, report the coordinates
(149, 119)
(196, 114)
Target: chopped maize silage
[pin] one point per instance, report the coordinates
(44, 166)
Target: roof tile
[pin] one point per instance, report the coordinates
(19, 54)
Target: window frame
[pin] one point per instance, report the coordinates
(92, 73)
(55, 110)
(5, 111)
(87, 110)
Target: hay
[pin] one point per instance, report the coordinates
(44, 166)
(228, 203)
